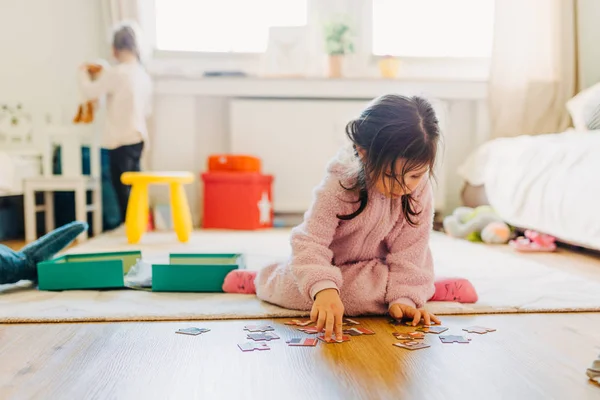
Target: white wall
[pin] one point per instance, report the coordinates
(589, 51)
(42, 42)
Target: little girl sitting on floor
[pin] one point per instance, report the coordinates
(363, 247)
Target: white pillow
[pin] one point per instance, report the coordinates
(585, 109)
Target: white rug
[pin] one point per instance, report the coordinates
(506, 283)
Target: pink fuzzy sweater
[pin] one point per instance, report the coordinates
(323, 245)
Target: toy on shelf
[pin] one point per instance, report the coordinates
(534, 242)
(480, 224)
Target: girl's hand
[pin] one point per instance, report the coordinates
(328, 311)
(399, 311)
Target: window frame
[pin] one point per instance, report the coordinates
(150, 26)
(364, 32)
(367, 22)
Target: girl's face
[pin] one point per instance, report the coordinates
(388, 184)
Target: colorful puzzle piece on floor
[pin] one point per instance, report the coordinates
(432, 329)
(335, 340)
(192, 331)
(479, 329)
(263, 336)
(409, 335)
(414, 345)
(396, 322)
(355, 331)
(249, 346)
(258, 328)
(302, 342)
(298, 322)
(309, 329)
(348, 321)
(453, 339)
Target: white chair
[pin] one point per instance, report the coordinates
(18, 147)
(70, 138)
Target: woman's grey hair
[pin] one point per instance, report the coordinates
(127, 37)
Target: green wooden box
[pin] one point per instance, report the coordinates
(195, 272)
(86, 271)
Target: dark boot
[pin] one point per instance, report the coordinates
(22, 265)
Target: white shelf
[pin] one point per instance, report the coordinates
(319, 88)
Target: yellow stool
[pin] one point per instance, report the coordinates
(136, 219)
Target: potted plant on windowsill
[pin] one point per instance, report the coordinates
(338, 43)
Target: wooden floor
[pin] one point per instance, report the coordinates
(537, 356)
(531, 356)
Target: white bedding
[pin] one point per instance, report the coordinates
(550, 183)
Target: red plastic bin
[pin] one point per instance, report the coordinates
(233, 163)
(237, 200)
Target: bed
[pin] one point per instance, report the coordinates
(549, 183)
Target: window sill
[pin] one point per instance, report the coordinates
(322, 88)
(194, 65)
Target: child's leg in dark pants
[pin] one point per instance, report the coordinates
(124, 159)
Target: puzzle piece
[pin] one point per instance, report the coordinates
(302, 342)
(432, 329)
(479, 329)
(258, 328)
(309, 329)
(454, 339)
(249, 346)
(263, 336)
(351, 332)
(192, 331)
(412, 345)
(409, 335)
(354, 331)
(332, 340)
(348, 321)
(298, 322)
(396, 322)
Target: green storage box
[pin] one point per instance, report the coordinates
(86, 271)
(194, 272)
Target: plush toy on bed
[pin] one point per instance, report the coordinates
(480, 224)
(22, 265)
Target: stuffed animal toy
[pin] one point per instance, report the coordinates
(480, 224)
(22, 265)
(534, 241)
(85, 112)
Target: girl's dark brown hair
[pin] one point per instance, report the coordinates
(390, 130)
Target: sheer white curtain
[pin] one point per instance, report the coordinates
(137, 12)
(533, 70)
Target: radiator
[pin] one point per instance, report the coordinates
(296, 138)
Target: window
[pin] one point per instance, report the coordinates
(223, 25)
(433, 28)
